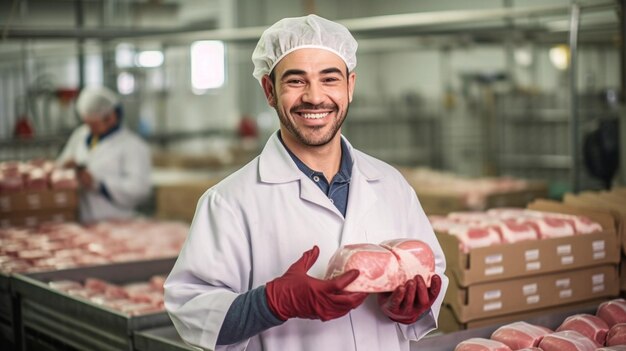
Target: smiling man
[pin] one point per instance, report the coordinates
(249, 275)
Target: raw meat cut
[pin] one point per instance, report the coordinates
(530, 349)
(481, 344)
(613, 348)
(616, 335)
(382, 267)
(588, 325)
(474, 237)
(612, 312)
(511, 231)
(414, 257)
(550, 227)
(520, 335)
(567, 340)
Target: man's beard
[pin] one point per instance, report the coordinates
(305, 139)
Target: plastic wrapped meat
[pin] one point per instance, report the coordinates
(481, 344)
(474, 237)
(616, 335)
(550, 227)
(567, 340)
(612, 312)
(520, 335)
(588, 325)
(511, 231)
(382, 267)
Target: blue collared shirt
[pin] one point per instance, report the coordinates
(337, 190)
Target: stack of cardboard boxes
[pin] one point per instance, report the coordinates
(33, 207)
(511, 282)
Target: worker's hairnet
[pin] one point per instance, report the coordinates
(96, 102)
(290, 34)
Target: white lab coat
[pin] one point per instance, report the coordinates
(122, 162)
(252, 226)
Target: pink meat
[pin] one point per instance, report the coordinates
(567, 340)
(474, 237)
(414, 257)
(481, 344)
(616, 335)
(530, 349)
(588, 325)
(550, 227)
(383, 267)
(613, 348)
(63, 179)
(520, 335)
(378, 267)
(612, 312)
(511, 231)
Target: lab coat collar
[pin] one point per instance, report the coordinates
(276, 166)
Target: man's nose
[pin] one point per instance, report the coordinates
(314, 94)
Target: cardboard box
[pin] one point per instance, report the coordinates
(38, 200)
(500, 298)
(178, 201)
(448, 322)
(596, 202)
(34, 218)
(526, 258)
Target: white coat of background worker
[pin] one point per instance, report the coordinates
(113, 164)
(249, 274)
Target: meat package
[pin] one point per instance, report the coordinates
(385, 266)
(481, 344)
(588, 325)
(616, 335)
(520, 335)
(35, 175)
(510, 225)
(612, 312)
(567, 340)
(133, 299)
(613, 348)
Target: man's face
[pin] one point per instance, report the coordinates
(99, 125)
(311, 94)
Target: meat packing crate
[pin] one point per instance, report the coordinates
(178, 201)
(34, 218)
(50, 316)
(494, 299)
(27, 200)
(160, 339)
(454, 333)
(532, 257)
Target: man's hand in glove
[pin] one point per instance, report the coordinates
(295, 294)
(408, 302)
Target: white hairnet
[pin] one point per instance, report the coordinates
(96, 102)
(290, 34)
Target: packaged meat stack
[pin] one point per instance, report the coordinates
(520, 335)
(588, 325)
(612, 312)
(35, 192)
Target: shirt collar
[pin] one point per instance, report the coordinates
(108, 133)
(345, 167)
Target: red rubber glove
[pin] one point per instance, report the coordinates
(408, 302)
(295, 294)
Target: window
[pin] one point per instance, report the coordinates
(207, 65)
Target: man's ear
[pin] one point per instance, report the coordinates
(351, 85)
(268, 89)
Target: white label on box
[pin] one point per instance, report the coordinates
(492, 294)
(599, 255)
(5, 203)
(493, 259)
(598, 288)
(564, 294)
(597, 279)
(567, 260)
(31, 221)
(533, 266)
(494, 270)
(529, 289)
(562, 283)
(598, 245)
(492, 306)
(564, 250)
(60, 198)
(33, 200)
(531, 255)
(532, 299)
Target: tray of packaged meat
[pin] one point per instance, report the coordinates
(160, 339)
(90, 308)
